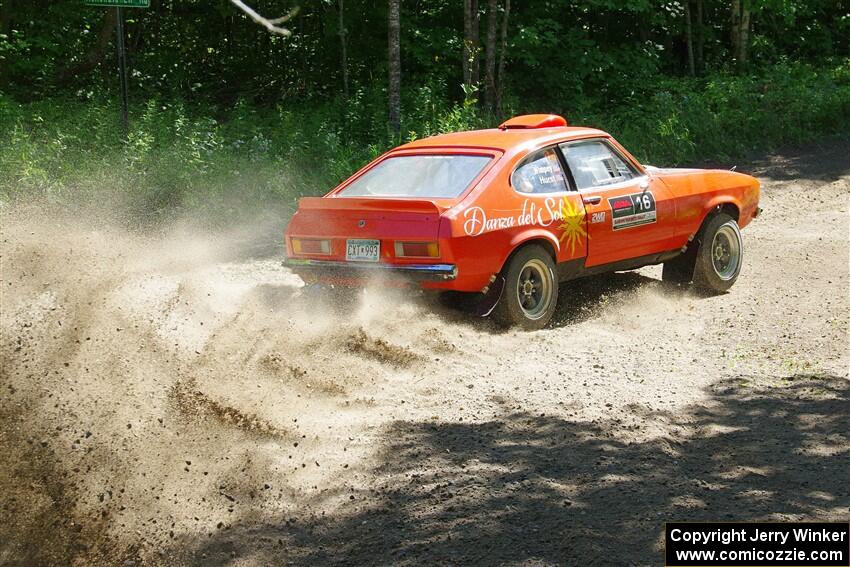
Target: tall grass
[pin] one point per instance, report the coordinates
(182, 157)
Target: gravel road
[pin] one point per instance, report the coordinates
(168, 401)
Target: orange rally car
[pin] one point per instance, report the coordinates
(511, 212)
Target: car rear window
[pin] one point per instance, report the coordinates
(434, 176)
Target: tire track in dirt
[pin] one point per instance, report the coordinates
(182, 391)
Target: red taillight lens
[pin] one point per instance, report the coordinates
(417, 250)
(311, 246)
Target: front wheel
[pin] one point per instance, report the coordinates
(720, 255)
(531, 289)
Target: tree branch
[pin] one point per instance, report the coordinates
(271, 25)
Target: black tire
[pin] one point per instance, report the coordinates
(720, 254)
(531, 289)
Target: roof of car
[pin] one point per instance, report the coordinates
(502, 139)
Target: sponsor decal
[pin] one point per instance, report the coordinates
(628, 211)
(572, 215)
(620, 203)
(569, 212)
(478, 221)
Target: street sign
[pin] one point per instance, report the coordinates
(119, 3)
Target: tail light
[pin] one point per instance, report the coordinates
(311, 246)
(417, 250)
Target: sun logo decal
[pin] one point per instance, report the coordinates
(572, 223)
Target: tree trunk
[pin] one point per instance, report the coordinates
(476, 45)
(467, 46)
(343, 54)
(644, 27)
(137, 31)
(689, 38)
(394, 56)
(6, 17)
(503, 53)
(740, 31)
(745, 33)
(490, 64)
(470, 47)
(95, 54)
(699, 39)
(734, 32)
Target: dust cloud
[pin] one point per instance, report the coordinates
(174, 383)
(172, 397)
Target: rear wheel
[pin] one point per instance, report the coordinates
(531, 289)
(720, 255)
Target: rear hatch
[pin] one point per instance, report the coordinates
(340, 219)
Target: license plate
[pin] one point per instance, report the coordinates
(362, 250)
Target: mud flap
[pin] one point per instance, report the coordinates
(491, 298)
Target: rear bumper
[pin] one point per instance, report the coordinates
(360, 270)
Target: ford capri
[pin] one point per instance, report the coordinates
(513, 212)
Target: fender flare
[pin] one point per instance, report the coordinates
(529, 235)
(716, 203)
(713, 205)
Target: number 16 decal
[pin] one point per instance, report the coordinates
(628, 211)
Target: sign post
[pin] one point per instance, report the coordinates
(122, 71)
(122, 54)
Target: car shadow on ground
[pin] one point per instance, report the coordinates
(585, 299)
(540, 489)
(579, 300)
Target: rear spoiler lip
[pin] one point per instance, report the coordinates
(423, 206)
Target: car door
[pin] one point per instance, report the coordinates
(629, 214)
(549, 203)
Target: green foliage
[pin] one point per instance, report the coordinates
(729, 116)
(181, 157)
(207, 49)
(199, 157)
(225, 113)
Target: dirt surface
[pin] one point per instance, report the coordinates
(168, 400)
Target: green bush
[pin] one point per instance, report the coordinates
(191, 158)
(729, 116)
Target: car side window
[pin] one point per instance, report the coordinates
(540, 173)
(594, 164)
